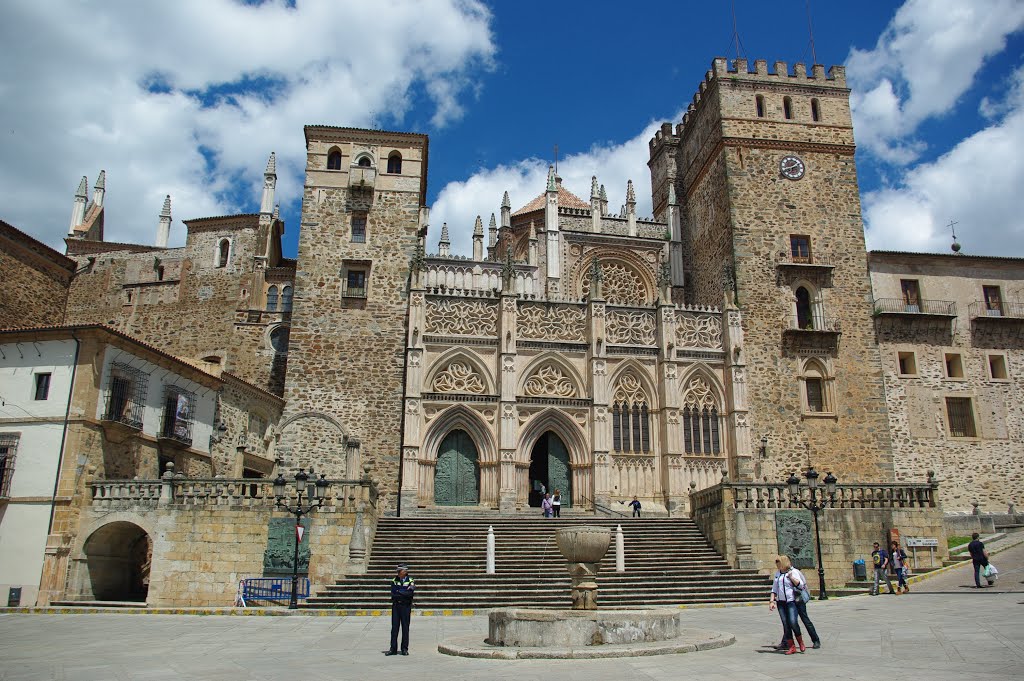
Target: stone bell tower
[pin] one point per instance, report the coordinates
(763, 169)
(362, 210)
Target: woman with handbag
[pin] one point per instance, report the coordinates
(803, 598)
(785, 593)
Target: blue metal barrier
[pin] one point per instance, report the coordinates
(274, 589)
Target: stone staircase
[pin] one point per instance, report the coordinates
(668, 562)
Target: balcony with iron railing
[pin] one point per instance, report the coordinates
(817, 332)
(815, 266)
(996, 311)
(921, 308)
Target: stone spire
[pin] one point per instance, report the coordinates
(277, 212)
(604, 201)
(492, 237)
(78, 210)
(595, 206)
(630, 208)
(444, 245)
(478, 239)
(269, 186)
(672, 195)
(552, 184)
(163, 230)
(554, 236)
(100, 188)
(506, 211)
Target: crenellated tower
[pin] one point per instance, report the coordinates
(762, 169)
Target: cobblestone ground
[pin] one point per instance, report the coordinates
(942, 630)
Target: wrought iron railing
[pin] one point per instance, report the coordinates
(813, 260)
(924, 307)
(814, 323)
(988, 310)
(178, 415)
(126, 395)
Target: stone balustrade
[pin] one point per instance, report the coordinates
(343, 495)
(750, 495)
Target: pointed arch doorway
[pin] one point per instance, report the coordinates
(457, 476)
(549, 470)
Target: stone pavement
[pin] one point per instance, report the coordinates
(940, 631)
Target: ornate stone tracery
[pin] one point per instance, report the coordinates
(551, 322)
(461, 318)
(698, 331)
(458, 378)
(625, 327)
(622, 285)
(549, 381)
(699, 395)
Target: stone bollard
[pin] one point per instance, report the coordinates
(620, 550)
(357, 544)
(490, 549)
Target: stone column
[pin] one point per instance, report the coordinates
(601, 435)
(740, 454)
(508, 426)
(412, 435)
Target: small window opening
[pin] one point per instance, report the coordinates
(286, 299)
(272, 299)
(961, 417)
(759, 101)
(787, 107)
(993, 301)
(359, 229)
(364, 162)
(911, 295)
(334, 160)
(815, 111)
(279, 340)
(395, 163)
(222, 255)
(815, 395)
(997, 367)
(355, 284)
(954, 365)
(908, 364)
(160, 273)
(804, 312)
(800, 247)
(42, 391)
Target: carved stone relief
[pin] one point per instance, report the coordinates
(460, 317)
(552, 322)
(549, 381)
(622, 285)
(698, 331)
(630, 328)
(698, 394)
(458, 378)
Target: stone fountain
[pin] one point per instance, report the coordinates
(584, 631)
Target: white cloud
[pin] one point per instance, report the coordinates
(977, 183)
(459, 203)
(80, 94)
(924, 61)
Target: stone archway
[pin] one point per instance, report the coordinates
(549, 466)
(457, 473)
(117, 559)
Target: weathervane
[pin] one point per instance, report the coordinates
(952, 228)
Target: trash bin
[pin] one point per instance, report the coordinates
(860, 570)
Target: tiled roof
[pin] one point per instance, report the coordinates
(1009, 258)
(566, 199)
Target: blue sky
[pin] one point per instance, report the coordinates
(189, 99)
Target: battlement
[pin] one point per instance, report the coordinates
(739, 69)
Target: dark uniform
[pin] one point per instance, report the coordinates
(403, 588)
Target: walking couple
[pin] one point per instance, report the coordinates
(790, 595)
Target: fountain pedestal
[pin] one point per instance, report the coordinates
(583, 547)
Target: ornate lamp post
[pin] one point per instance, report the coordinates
(315, 493)
(815, 506)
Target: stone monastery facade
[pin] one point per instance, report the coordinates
(739, 332)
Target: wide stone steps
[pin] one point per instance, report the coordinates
(668, 562)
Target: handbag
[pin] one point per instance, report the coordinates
(805, 595)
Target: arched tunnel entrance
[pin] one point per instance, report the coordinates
(118, 557)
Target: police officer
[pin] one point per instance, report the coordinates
(403, 588)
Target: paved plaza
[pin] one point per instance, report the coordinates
(942, 630)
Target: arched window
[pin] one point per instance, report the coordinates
(223, 251)
(817, 388)
(272, 298)
(631, 419)
(334, 160)
(804, 309)
(787, 107)
(364, 162)
(279, 340)
(701, 424)
(286, 299)
(395, 163)
(759, 101)
(815, 111)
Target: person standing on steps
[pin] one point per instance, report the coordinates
(556, 504)
(898, 557)
(546, 506)
(635, 505)
(403, 589)
(979, 557)
(880, 560)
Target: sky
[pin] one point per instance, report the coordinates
(189, 98)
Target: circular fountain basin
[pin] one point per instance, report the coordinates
(584, 543)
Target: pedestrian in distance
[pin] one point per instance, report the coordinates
(786, 591)
(635, 505)
(556, 504)
(403, 589)
(979, 557)
(898, 558)
(880, 560)
(546, 506)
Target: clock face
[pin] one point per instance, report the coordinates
(791, 167)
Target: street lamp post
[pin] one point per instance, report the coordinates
(815, 506)
(315, 493)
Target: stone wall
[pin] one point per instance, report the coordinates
(35, 280)
(861, 516)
